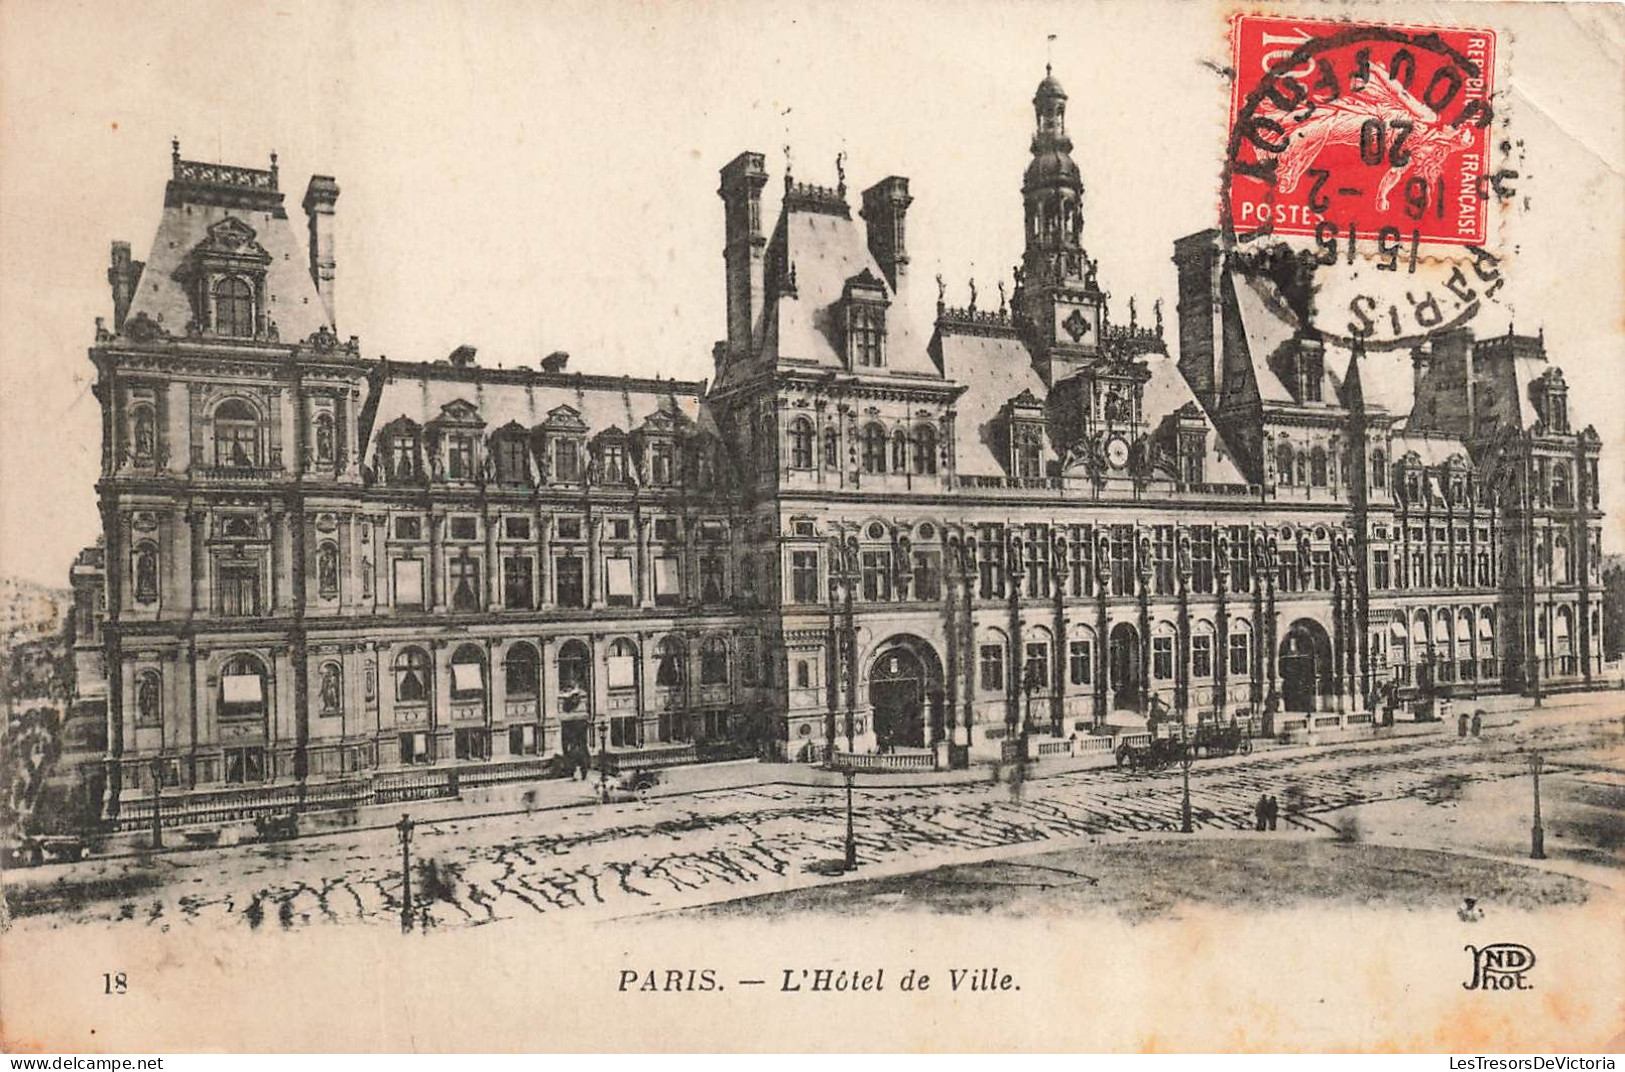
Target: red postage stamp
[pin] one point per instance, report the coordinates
(1368, 133)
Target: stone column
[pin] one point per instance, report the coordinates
(437, 587)
(493, 585)
(646, 595)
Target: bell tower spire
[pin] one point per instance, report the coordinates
(1057, 293)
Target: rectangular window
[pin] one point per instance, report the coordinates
(569, 528)
(1441, 570)
(1162, 555)
(668, 581)
(512, 462)
(566, 461)
(747, 661)
(876, 575)
(1241, 559)
(523, 741)
(464, 576)
(1082, 557)
(618, 581)
(1321, 563)
(516, 528)
(1240, 665)
(245, 765)
(1122, 560)
(460, 458)
(990, 562)
(625, 731)
(570, 579)
(239, 591)
(415, 748)
(804, 576)
(666, 529)
(1286, 570)
(465, 528)
(992, 668)
(467, 681)
(1081, 662)
(620, 529)
(1202, 559)
(409, 582)
(712, 586)
(1036, 559)
(516, 583)
(928, 576)
(1464, 568)
(1379, 570)
(473, 744)
(409, 528)
(1201, 656)
(1162, 658)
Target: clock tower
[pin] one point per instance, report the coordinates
(1057, 298)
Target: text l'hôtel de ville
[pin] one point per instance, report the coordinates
(820, 980)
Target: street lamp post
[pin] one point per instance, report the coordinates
(603, 757)
(851, 858)
(1537, 833)
(157, 802)
(405, 829)
(1186, 758)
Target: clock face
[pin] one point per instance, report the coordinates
(1117, 452)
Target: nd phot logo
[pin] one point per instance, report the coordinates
(1500, 966)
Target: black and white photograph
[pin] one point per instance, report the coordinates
(812, 526)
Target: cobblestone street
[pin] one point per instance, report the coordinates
(701, 848)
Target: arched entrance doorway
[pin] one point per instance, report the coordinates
(905, 696)
(1305, 663)
(1125, 667)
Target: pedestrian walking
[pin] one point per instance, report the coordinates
(1261, 813)
(1478, 723)
(1272, 811)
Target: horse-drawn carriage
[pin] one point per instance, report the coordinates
(1221, 740)
(1152, 754)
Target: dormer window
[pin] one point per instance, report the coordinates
(1029, 451)
(566, 461)
(866, 336)
(660, 463)
(460, 457)
(234, 308)
(865, 300)
(403, 455)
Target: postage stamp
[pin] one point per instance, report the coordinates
(1354, 132)
(1359, 173)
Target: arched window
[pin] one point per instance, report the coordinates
(1317, 467)
(521, 672)
(714, 661)
(1379, 469)
(412, 676)
(327, 571)
(832, 450)
(1562, 640)
(669, 657)
(236, 435)
(899, 452)
(468, 673)
(925, 450)
(1562, 488)
(234, 308)
(143, 434)
(801, 443)
(874, 449)
(575, 673)
(146, 573)
(1283, 464)
(148, 699)
(331, 689)
(622, 665)
(242, 689)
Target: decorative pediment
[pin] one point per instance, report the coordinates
(232, 237)
(1025, 400)
(564, 419)
(613, 432)
(662, 422)
(459, 411)
(512, 428)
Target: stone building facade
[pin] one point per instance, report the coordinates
(886, 523)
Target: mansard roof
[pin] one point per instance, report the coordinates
(206, 205)
(527, 398)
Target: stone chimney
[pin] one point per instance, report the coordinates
(741, 193)
(554, 362)
(122, 276)
(321, 195)
(885, 208)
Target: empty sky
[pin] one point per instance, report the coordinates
(533, 177)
